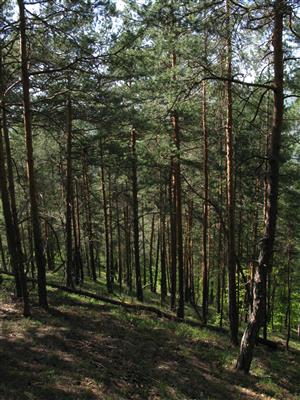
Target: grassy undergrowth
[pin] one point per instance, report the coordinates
(83, 349)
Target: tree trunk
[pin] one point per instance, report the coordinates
(163, 279)
(144, 252)
(89, 217)
(289, 287)
(205, 210)
(173, 225)
(267, 243)
(120, 261)
(128, 248)
(14, 251)
(12, 196)
(109, 279)
(69, 194)
(38, 240)
(231, 264)
(177, 176)
(5, 195)
(4, 264)
(151, 254)
(135, 211)
(111, 233)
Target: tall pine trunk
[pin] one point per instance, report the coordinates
(267, 244)
(37, 235)
(109, 276)
(69, 194)
(231, 262)
(205, 210)
(135, 212)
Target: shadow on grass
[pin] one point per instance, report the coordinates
(90, 351)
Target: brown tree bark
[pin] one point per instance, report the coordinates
(135, 212)
(128, 248)
(38, 240)
(205, 210)
(14, 250)
(178, 194)
(163, 277)
(89, 217)
(69, 195)
(109, 278)
(151, 254)
(3, 259)
(111, 231)
(289, 286)
(120, 261)
(77, 232)
(231, 262)
(9, 223)
(144, 252)
(267, 244)
(12, 198)
(173, 235)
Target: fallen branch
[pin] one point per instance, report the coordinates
(136, 307)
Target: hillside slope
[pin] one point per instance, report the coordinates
(87, 350)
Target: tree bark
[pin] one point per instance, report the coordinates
(38, 240)
(177, 183)
(231, 264)
(163, 276)
(109, 279)
(267, 243)
(69, 194)
(173, 244)
(135, 212)
(205, 210)
(89, 217)
(151, 254)
(14, 251)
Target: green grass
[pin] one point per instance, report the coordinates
(83, 349)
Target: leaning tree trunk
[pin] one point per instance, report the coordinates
(267, 243)
(38, 241)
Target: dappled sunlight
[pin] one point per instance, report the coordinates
(88, 351)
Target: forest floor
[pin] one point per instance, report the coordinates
(83, 349)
